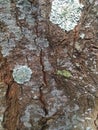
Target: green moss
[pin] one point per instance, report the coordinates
(64, 73)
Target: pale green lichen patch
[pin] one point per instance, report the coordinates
(64, 73)
(22, 74)
(10, 32)
(66, 13)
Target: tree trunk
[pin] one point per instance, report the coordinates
(48, 77)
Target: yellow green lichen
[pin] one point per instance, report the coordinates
(64, 73)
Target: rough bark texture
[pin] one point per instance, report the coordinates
(49, 101)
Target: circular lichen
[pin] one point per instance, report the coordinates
(66, 13)
(22, 74)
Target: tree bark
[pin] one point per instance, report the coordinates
(50, 100)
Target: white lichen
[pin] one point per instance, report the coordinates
(66, 13)
(82, 35)
(22, 74)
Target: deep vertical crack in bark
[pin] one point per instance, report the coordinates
(43, 101)
(44, 83)
(43, 68)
